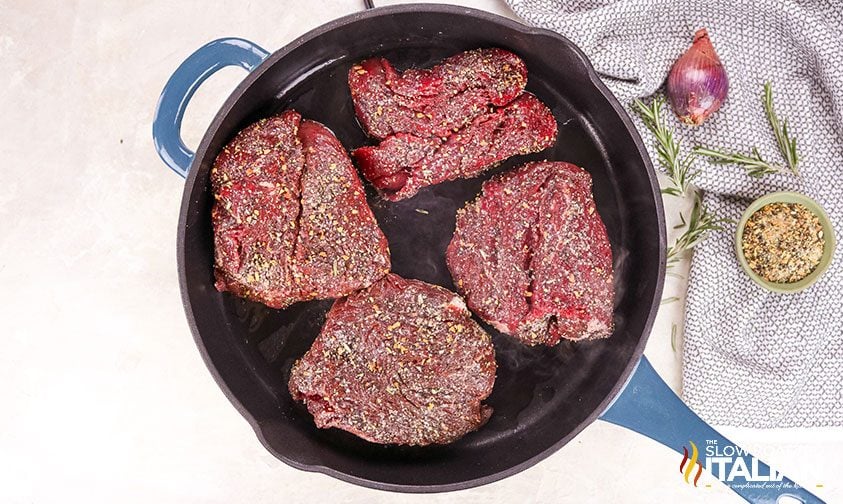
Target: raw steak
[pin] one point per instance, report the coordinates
(290, 217)
(404, 163)
(451, 121)
(401, 362)
(532, 258)
(434, 101)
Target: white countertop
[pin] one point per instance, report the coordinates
(105, 397)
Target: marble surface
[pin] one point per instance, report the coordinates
(105, 397)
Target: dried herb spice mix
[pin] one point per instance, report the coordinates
(783, 242)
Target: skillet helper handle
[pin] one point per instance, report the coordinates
(207, 60)
(648, 406)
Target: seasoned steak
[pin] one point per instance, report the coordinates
(404, 163)
(434, 101)
(532, 258)
(451, 121)
(400, 362)
(290, 217)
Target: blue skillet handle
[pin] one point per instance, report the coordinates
(213, 56)
(647, 405)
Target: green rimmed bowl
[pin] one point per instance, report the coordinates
(828, 233)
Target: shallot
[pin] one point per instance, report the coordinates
(697, 85)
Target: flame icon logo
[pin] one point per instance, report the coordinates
(686, 470)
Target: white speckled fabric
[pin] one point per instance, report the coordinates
(751, 358)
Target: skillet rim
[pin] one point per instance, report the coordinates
(477, 15)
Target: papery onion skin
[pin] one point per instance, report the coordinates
(697, 84)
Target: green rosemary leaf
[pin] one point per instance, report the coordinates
(667, 147)
(787, 144)
(700, 223)
(755, 165)
(669, 300)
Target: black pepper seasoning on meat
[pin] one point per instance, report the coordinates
(400, 362)
(532, 258)
(290, 217)
(451, 121)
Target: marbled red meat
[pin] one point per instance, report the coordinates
(404, 163)
(532, 258)
(451, 121)
(400, 362)
(434, 101)
(290, 217)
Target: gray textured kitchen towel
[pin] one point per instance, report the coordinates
(751, 358)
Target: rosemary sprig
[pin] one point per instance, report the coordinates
(787, 145)
(755, 165)
(677, 169)
(700, 223)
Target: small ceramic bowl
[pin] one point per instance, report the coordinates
(828, 233)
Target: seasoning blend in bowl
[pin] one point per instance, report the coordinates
(785, 241)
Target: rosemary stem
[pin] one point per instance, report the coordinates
(787, 145)
(677, 168)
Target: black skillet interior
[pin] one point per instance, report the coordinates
(542, 396)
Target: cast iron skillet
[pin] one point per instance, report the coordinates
(542, 397)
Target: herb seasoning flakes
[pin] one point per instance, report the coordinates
(783, 242)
